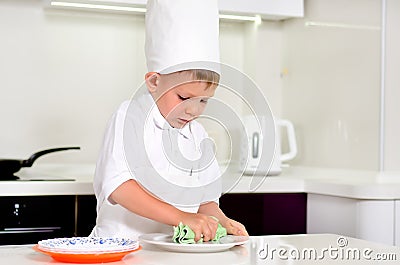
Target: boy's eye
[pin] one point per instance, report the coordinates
(204, 100)
(182, 98)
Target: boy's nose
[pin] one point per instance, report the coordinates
(193, 109)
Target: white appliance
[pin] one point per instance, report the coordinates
(255, 144)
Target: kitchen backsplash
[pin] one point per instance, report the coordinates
(63, 73)
(332, 88)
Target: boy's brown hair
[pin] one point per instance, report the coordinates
(212, 78)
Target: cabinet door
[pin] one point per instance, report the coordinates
(86, 214)
(397, 223)
(269, 9)
(246, 209)
(267, 214)
(375, 221)
(330, 214)
(371, 220)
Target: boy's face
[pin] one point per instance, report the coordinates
(179, 98)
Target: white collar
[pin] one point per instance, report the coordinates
(161, 123)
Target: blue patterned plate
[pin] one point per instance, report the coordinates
(88, 244)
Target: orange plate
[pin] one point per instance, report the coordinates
(85, 257)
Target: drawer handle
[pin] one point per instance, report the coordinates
(29, 230)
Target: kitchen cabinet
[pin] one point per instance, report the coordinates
(374, 220)
(360, 204)
(267, 214)
(397, 222)
(28, 219)
(267, 9)
(85, 214)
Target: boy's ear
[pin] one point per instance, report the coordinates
(152, 79)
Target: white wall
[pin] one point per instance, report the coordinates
(392, 87)
(263, 60)
(63, 73)
(331, 89)
(327, 80)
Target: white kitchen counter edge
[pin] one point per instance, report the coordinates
(334, 182)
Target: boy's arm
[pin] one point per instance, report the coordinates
(133, 197)
(232, 227)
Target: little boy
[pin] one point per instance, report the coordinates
(151, 174)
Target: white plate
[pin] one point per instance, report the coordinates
(164, 241)
(88, 245)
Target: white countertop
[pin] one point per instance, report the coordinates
(51, 179)
(347, 183)
(336, 182)
(292, 249)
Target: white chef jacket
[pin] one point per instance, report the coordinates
(133, 149)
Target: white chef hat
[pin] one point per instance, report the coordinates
(182, 35)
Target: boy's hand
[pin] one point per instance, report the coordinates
(234, 228)
(202, 225)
